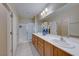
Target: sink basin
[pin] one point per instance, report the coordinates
(52, 37)
(64, 43)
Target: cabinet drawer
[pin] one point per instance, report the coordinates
(40, 40)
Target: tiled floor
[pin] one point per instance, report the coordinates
(26, 49)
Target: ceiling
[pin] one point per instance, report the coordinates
(28, 9)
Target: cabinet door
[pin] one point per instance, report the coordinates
(40, 49)
(40, 46)
(60, 52)
(55, 51)
(35, 41)
(47, 49)
(51, 50)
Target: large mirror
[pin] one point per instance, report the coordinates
(73, 27)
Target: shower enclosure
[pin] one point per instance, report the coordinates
(25, 32)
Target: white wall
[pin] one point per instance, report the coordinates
(3, 31)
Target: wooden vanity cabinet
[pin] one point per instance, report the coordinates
(46, 49)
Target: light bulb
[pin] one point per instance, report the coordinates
(41, 13)
(46, 9)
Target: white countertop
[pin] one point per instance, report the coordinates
(50, 38)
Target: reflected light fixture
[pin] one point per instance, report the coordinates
(41, 13)
(46, 9)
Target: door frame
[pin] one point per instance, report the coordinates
(10, 35)
(9, 29)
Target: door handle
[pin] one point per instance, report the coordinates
(11, 33)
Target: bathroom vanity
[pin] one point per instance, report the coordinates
(48, 46)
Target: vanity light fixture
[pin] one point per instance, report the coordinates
(43, 13)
